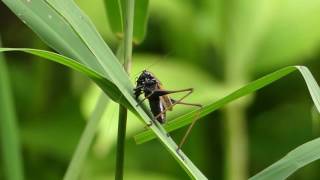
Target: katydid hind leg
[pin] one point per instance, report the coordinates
(184, 138)
(189, 90)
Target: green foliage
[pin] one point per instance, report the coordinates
(230, 41)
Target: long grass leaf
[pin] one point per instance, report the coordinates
(111, 90)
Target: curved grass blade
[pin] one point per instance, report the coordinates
(294, 160)
(109, 88)
(9, 132)
(250, 88)
(103, 61)
(114, 9)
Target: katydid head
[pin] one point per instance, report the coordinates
(146, 82)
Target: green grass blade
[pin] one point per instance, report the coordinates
(103, 61)
(9, 132)
(87, 136)
(294, 160)
(114, 10)
(54, 30)
(250, 88)
(111, 90)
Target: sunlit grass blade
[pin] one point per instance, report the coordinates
(114, 10)
(9, 132)
(54, 30)
(294, 160)
(87, 136)
(250, 88)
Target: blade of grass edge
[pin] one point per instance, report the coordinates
(9, 132)
(249, 88)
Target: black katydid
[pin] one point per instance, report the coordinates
(159, 99)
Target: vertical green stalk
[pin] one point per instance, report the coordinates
(128, 33)
(235, 128)
(9, 132)
(235, 142)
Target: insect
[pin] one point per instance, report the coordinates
(159, 99)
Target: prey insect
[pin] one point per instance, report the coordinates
(159, 99)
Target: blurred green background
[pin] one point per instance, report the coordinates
(214, 46)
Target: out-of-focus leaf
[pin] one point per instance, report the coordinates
(9, 132)
(267, 33)
(115, 11)
(83, 146)
(186, 119)
(293, 35)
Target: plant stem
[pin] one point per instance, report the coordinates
(235, 127)
(121, 142)
(235, 142)
(128, 33)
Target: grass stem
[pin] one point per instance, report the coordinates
(128, 33)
